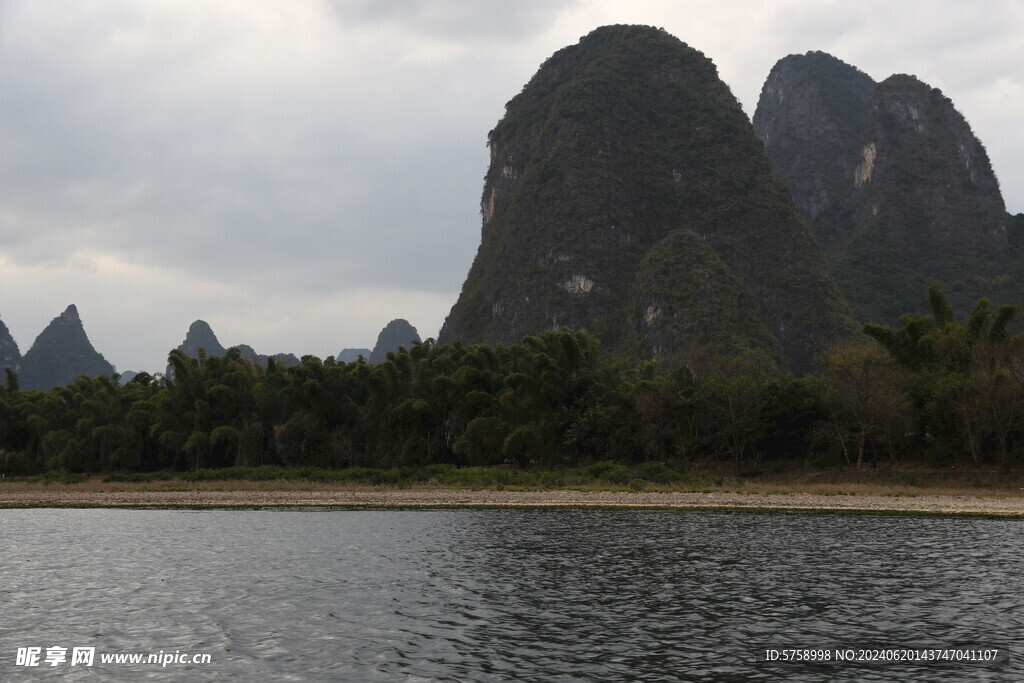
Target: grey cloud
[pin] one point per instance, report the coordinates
(464, 20)
(968, 50)
(310, 181)
(281, 166)
(827, 23)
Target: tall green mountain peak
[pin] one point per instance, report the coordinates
(896, 186)
(617, 143)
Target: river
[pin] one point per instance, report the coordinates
(502, 595)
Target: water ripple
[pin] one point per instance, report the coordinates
(503, 594)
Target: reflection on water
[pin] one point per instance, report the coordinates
(503, 594)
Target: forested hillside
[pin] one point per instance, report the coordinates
(624, 156)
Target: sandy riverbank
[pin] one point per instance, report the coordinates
(1003, 505)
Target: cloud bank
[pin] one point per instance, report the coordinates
(298, 174)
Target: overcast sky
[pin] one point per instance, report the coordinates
(299, 172)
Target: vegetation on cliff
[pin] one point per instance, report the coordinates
(616, 143)
(811, 117)
(684, 293)
(897, 188)
(10, 356)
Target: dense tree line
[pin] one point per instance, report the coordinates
(930, 389)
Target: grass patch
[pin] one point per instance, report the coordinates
(599, 476)
(62, 477)
(136, 477)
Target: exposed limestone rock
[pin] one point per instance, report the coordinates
(867, 166)
(811, 116)
(895, 184)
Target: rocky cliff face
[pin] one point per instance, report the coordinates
(1016, 234)
(912, 202)
(10, 356)
(60, 354)
(395, 334)
(811, 118)
(920, 163)
(615, 144)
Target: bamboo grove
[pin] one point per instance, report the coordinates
(930, 389)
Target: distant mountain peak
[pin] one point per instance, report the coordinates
(810, 117)
(350, 355)
(60, 354)
(397, 333)
(200, 336)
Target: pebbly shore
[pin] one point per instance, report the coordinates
(1004, 506)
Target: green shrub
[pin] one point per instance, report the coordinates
(701, 479)
(659, 474)
(129, 477)
(598, 469)
(617, 474)
(139, 477)
(63, 477)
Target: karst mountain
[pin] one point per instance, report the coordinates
(628, 195)
(60, 354)
(896, 186)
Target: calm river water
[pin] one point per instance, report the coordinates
(496, 595)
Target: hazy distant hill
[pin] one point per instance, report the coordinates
(282, 359)
(352, 355)
(397, 333)
(60, 354)
(201, 336)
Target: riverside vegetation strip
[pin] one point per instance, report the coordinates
(968, 492)
(932, 391)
